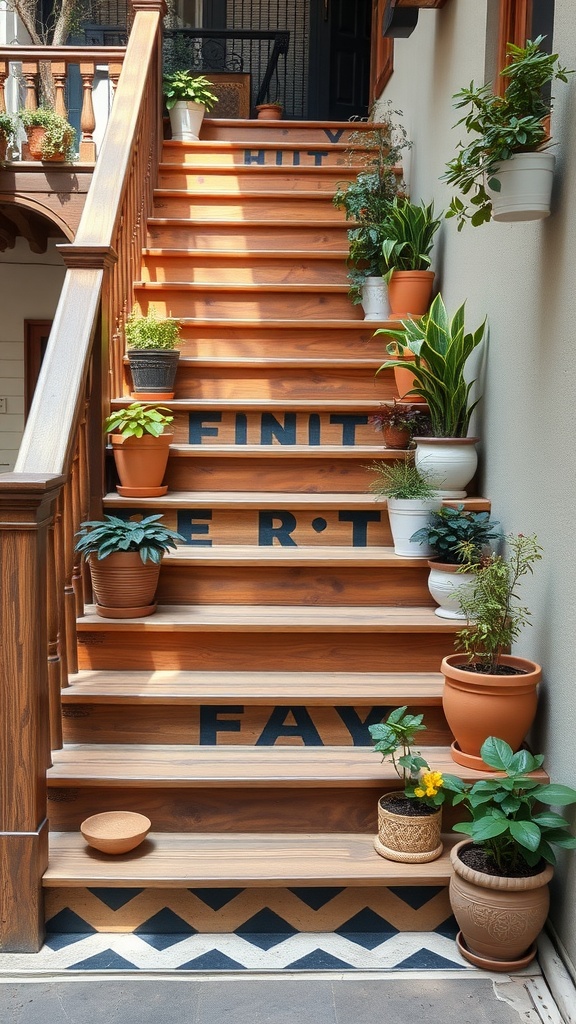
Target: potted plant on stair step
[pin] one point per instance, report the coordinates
(441, 349)
(151, 343)
(124, 556)
(188, 98)
(410, 499)
(506, 168)
(408, 237)
(399, 422)
(458, 537)
(409, 821)
(485, 688)
(141, 446)
(499, 887)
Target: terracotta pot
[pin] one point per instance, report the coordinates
(500, 918)
(3, 148)
(478, 705)
(405, 379)
(396, 437)
(269, 111)
(410, 292)
(141, 464)
(124, 586)
(409, 839)
(35, 138)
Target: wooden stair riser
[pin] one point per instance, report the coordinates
(282, 131)
(248, 207)
(204, 472)
(233, 724)
(108, 648)
(271, 269)
(181, 233)
(255, 177)
(248, 301)
(263, 152)
(258, 381)
(232, 339)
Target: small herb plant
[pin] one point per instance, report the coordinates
(442, 349)
(60, 135)
(394, 738)
(110, 535)
(182, 85)
(457, 536)
(508, 822)
(402, 416)
(495, 617)
(501, 126)
(151, 331)
(400, 480)
(136, 420)
(408, 236)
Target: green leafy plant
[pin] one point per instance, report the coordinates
(394, 738)
(110, 535)
(441, 349)
(151, 331)
(136, 420)
(508, 823)
(182, 85)
(402, 416)
(60, 135)
(501, 126)
(400, 480)
(408, 236)
(7, 126)
(495, 617)
(457, 536)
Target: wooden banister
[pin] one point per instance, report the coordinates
(43, 501)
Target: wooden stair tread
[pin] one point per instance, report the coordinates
(257, 555)
(150, 765)
(286, 688)
(172, 859)
(336, 323)
(278, 619)
(286, 451)
(248, 286)
(256, 170)
(282, 363)
(264, 193)
(267, 222)
(369, 405)
(256, 254)
(268, 499)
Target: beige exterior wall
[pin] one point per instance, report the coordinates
(522, 276)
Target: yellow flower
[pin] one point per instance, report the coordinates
(419, 791)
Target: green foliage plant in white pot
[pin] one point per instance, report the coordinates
(188, 97)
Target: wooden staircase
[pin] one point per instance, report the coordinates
(237, 716)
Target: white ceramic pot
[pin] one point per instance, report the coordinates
(186, 120)
(406, 516)
(445, 584)
(375, 299)
(525, 187)
(449, 463)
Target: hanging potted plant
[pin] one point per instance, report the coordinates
(399, 423)
(50, 136)
(124, 556)
(152, 354)
(410, 499)
(7, 131)
(141, 446)
(457, 537)
(506, 168)
(441, 349)
(499, 887)
(409, 821)
(484, 686)
(188, 98)
(408, 237)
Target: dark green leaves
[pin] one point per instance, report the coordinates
(112, 534)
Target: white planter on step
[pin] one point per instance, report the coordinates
(449, 463)
(406, 516)
(444, 584)
(186, 118)
(525, 187)
(375, 299)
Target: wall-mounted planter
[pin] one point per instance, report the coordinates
(525, 187)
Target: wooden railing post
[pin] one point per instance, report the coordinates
(87, 118)
(27, 505)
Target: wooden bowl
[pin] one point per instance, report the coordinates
(115, 831)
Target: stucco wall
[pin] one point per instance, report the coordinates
(522, 276)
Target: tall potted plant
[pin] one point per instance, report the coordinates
(152, 354)
(505, 167)
(141, 446)
(188, 98)
(484, 686)
(441, 349)
(409, 498)
(124, 556)
(408, 237)
(499, 887)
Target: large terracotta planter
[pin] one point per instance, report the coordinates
(35, 138)
(449, 463)
(499, 918)
(407, 838)
(410, 292)
(525, 187)
(141, 464)
(405, 379)
(478, 705)
(124, 586)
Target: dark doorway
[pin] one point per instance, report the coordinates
(36, 334)
(340, 59)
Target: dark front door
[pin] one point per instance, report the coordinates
(340, 59)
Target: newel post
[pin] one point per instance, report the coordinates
(159, 8)
(27, 507)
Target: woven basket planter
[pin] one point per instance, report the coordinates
(410, 839)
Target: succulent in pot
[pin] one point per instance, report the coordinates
(50, 136)
(499, 888)
(409, 821)
(408, 237)
(483, 684)
(188, 96)
(141, 446)
(151, 342)
(124, 557)
(505, 168)
(409, 497)
(399, 422)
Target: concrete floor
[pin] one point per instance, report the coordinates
(240, 1000)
